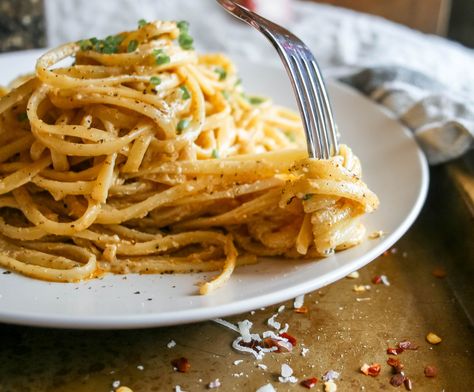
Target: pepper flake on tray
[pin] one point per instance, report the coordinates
(407, 345)
(182, 364)
(432, 338)
(330, 386)
(371, 370)
(439, 272)
(381, 279)
(397, 379)
(430, 371)
(309, 382)
(394, 351)
(395, 364)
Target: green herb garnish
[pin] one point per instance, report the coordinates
(108, 45)
(184, 39)
(132, 46)
(155, 80)
(182, 125)
(183, 26)
(221, 72)
(215, 153)
(22, 116)
(256, 100)
(185, 94)
(87, 44)
(307, 196)
(141, 23)
(161, 57)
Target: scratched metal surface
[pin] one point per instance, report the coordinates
(340, 332)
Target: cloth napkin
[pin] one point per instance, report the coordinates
(426, 81)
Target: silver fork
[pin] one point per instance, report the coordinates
(306, 79)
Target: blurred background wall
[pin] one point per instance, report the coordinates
(23, 25)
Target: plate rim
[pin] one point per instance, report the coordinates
(185, 316)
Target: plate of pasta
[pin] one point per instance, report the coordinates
(144, 184)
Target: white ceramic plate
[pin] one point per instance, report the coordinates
(393, 167)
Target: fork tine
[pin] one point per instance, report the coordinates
(317, 108)
(305, 76)
(328, 113)
(313, 142)
(311, 102)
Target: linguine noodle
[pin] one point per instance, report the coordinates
(144, 157)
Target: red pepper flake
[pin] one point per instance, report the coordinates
(397, 379)
(408, 384)
(407, 345)
(394, 351)
(281, 345)
(181, 364)
(431, 371)
(303, 310)
(439, 272)
(372, 370)
(395, 364)
(377, 279)
(252, 344)
(309, 383)
(290, 338)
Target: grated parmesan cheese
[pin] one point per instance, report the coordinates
(266, 388)
(262, 366)
(287, 375)
(244, 329)
(281, 309)
(272, 323)
(177, 388)
(299, 301)
(361, 288)
(304, 351)
(331, 375)
(214, 384)
(171, 344)
(238, 362)
(353, 275)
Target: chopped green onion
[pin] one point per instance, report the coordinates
(221, 72)
(132, 46)
(185, 41)
(108, 45)
(215, 153)
(182, 125)
(22, 116)
(155, 80)
(161, 57)
(307, 196)
(183, 26)
(85, 44)
(185, 94)
(141, 23)
(256, 100)
(111, 44)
